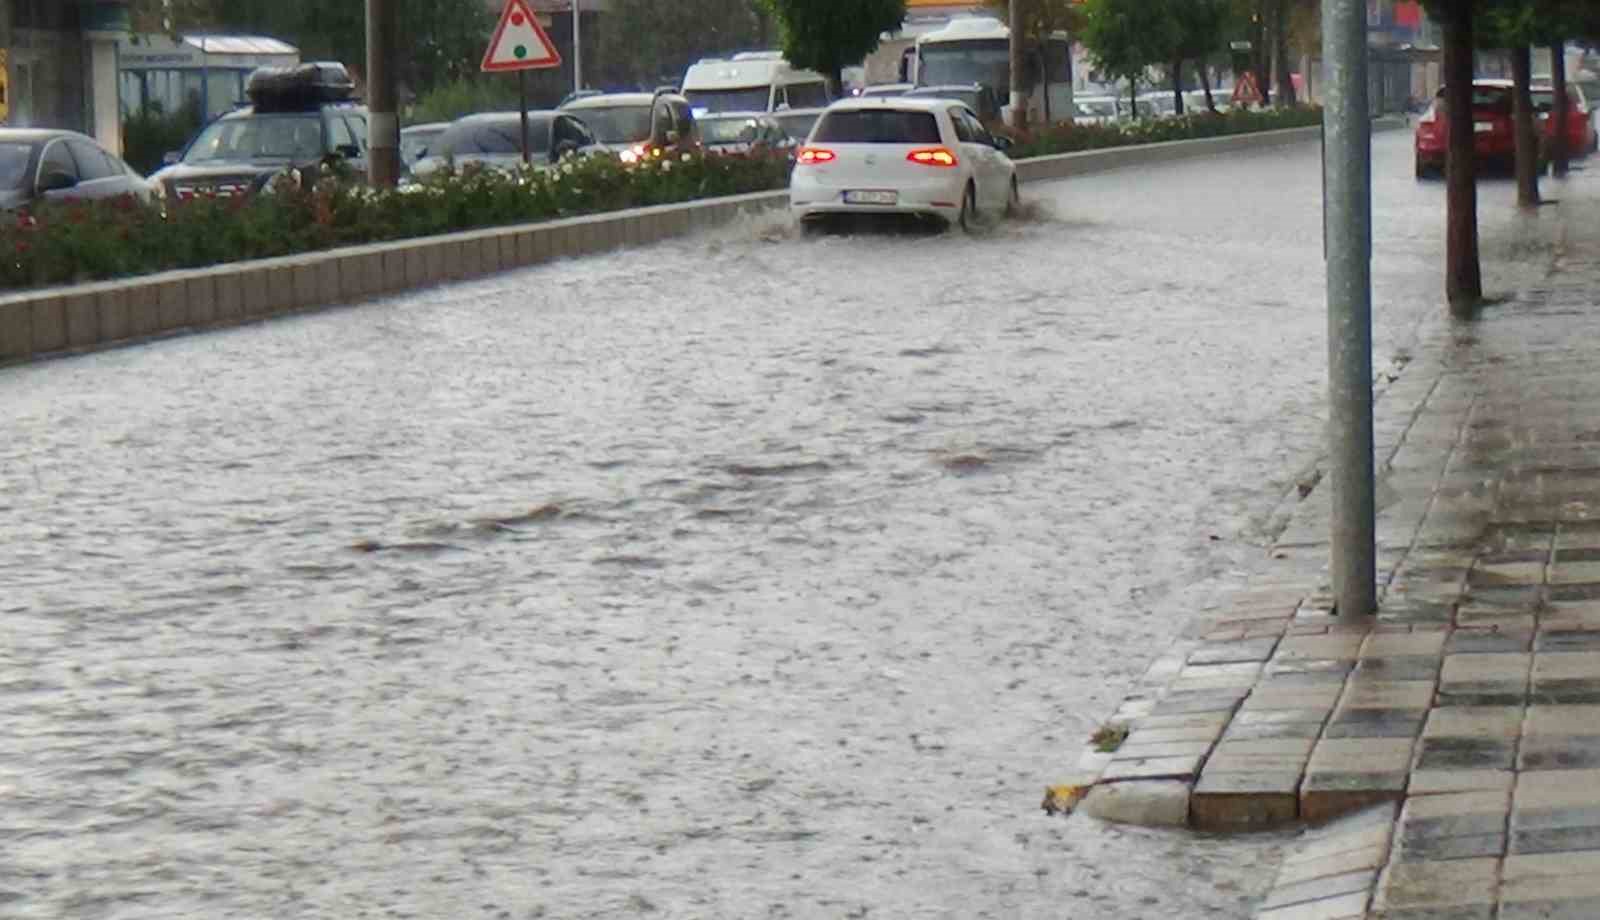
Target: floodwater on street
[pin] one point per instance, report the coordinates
(747, 575)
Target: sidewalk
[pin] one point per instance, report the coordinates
(1456, 741)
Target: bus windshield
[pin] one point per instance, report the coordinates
(986, 61)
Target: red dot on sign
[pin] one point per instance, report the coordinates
(516, 19)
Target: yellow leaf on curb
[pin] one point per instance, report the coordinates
(1060, 800)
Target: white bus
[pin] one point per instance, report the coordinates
(752, 81)
(977, 49)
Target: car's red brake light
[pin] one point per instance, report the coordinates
(933, 156)
(814, 155)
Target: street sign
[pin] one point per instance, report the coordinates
(1245, 90)
(519, 43)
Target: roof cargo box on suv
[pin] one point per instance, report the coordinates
(303, 86)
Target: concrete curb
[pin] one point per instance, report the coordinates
(80, 318)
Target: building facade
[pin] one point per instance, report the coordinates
(58, 65)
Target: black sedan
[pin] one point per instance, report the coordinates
(41, 164)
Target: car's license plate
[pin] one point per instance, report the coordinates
(871, 197)
(1483, 127)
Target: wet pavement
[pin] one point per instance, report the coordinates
(746, 575)
(1464, 715)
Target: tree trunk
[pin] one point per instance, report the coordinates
(1133, 98)
(1177, 87)
(1261, 53)
(1559, 153)
(1527, 131)
(1280, 28)
(1463, 274)
(1205, 83)
(1019, 105)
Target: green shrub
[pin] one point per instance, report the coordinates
(1071, 138)
(151, 133)
(69, 242)
(467, 96)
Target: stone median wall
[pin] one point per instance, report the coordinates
(50, 321)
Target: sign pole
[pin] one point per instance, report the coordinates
(522, 87)
(1348, 198)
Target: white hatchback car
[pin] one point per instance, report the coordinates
(897, 155)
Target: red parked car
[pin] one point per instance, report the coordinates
(1493, 127)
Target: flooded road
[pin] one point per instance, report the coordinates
(743, 576)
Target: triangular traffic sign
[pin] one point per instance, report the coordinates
(1246, 91)
(519, 43)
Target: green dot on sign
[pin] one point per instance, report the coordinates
(521, 51)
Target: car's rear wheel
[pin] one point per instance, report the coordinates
(969, 215)
(1425, 170)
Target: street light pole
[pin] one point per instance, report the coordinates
(383, 120)
(577, 46)
(1019, 103)
(1347, 194)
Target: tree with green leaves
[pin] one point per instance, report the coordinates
(646, 42)
(829, 35)
(1127, 37)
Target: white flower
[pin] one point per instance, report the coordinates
(666, 166)
(686, 158)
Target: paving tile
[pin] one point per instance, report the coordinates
(1319, 889)
(1488, 802)
(1362, 755)
(1339, 646)
(1354, 860)
(1555, 840)
(1584, 592)
(1567, 640)
(1566, 692)
(1560, 752)
(1433, 782)
(1345, 907)
(1458, 912)
(1252, 650)
(1556, 818)
(1375, 723)
(1391, 645)
(1548, 867)
(1216, 721)
(1191, 703)
(1205, 733)
(1282, 747)
(1375, 694)
(1287, 672)
(1154, 749)
(1504, 722)
(1451, 845)
(1266, 697)
(1152, 768)
(1446, 883)
(1476, 668)
(1583, 615)
(1581, 908)
(1484, 693)
(1565, 573)
(1514, 634)
(1450, 753)
(1578, 665)
(1509, 573)
(1399, 667)
(1561, 720)
(1543, 791)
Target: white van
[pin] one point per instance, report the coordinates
(752, 81)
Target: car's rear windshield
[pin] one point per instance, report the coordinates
(711, 101)
(877, 126)
(729, 130)
(259, 137)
